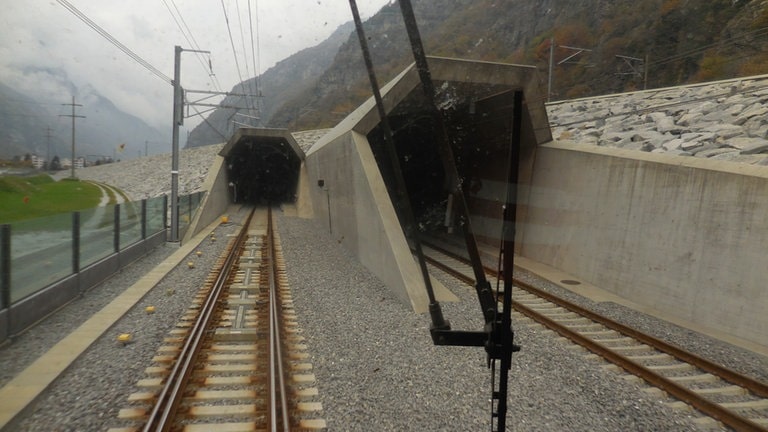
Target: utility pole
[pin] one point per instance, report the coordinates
(73, 105)
(631, 62)
(48, 155)
(566, 60)
(178, 120)
(645, 73)
(551, 65)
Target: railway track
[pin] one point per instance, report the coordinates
(236, 360)
(731, 399)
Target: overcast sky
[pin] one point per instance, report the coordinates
(41, 40)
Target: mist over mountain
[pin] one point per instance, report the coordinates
(37, 121)
(600, 47)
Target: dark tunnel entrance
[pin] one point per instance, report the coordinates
(479, 121)
(262, 170)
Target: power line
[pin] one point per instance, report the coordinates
(723, 42)
(205, 119)
(105, 34)
(255, 46)
(242, 39)
(248, 104)
(732, 41)
(231, 41)
(255, 53)
(184, 29)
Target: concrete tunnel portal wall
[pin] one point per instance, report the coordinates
(357, 194)
(256, 166)
(262, 166)
(478, 119)
(344, 185)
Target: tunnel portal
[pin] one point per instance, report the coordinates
(262, 166)
(478, 121)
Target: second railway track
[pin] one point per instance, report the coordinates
(734, 400)
(236, 361)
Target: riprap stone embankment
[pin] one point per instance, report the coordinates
(724, 120)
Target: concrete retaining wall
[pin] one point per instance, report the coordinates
(354, 206)
(215, 202)
(684, 236)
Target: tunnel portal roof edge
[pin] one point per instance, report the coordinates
(253, 134)
(444, 69)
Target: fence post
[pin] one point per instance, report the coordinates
(116, 238)
(144, 219)
(165, 211)
(5, 266)
(76, 242)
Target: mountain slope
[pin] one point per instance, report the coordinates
(25, 123)
(287, 80)
(23, 126)
(600, 47)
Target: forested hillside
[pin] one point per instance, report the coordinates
(600, 46)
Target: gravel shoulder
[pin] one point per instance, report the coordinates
(89, 394)
(376, 365)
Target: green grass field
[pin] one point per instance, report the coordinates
(31, 197)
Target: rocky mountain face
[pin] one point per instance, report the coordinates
(600, 47)
(287, 80)
(29, 125)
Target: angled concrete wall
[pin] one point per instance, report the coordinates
(353, 205)
(684, 236)
(215, 202)
(349, 195)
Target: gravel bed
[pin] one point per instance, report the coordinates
(730, 356)
(375, 363)
(88, 396)
(377, 368)
(15, 356)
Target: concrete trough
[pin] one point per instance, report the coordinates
(352, 185)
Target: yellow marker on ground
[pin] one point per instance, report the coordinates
(150, 309)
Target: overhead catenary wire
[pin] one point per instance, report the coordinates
(723, 43)
(242, 39)
(231, 41)
(106, 35)
(186, 32)
(255, 53)
(248, 102)
(205, 119)
(255, 56)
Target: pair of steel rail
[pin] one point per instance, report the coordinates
(680, 392)
(169, 399)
